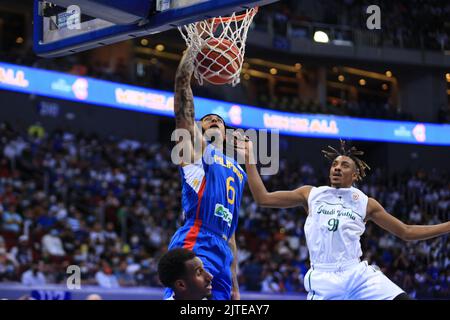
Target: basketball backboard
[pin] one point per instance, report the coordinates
(63, 27)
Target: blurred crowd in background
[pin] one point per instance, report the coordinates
(111, 205)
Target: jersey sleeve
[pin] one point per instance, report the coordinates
(193, 175)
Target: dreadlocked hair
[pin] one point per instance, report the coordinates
(352, 153)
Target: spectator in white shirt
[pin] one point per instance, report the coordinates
(52, 244)
(97, 234)
(34, 276)
(12, 221)
(105, 277)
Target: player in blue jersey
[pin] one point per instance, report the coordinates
(212, 188)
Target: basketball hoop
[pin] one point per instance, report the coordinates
(218, 46)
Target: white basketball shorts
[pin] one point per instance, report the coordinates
(352, 281)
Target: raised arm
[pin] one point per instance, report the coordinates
(277, 199)
(184, 98)
(184, 104)
(378, 214)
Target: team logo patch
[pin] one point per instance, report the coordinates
(224, 213)
(355, 196)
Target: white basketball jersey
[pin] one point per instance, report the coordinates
(335, 224)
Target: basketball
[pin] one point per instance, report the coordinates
(218, 61)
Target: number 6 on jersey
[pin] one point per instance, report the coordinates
(230, 189)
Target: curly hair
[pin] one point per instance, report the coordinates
(171, 266)
(352, 153)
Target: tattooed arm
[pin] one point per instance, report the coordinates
(184, 109)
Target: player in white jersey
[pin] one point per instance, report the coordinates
(336, 220)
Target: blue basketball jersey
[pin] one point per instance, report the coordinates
(212, 190)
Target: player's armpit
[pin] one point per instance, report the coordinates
(186, 151)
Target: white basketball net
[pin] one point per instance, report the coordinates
(225, 31)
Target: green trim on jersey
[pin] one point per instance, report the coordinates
(340, 204)
(309, 281)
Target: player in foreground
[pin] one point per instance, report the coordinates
(336, 220)
(182, 271)
(212, 188)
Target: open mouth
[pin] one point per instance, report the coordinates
(214, 126)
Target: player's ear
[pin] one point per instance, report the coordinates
(180, 285)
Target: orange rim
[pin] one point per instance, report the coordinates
(240, 17)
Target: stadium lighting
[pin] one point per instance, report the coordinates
(321, 37)
(144, 42)
(388, 74)
(160, 47)
(362, 82)
(447, 76)
(273, 71)
(341, 78)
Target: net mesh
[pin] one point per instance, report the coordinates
(217, 46)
